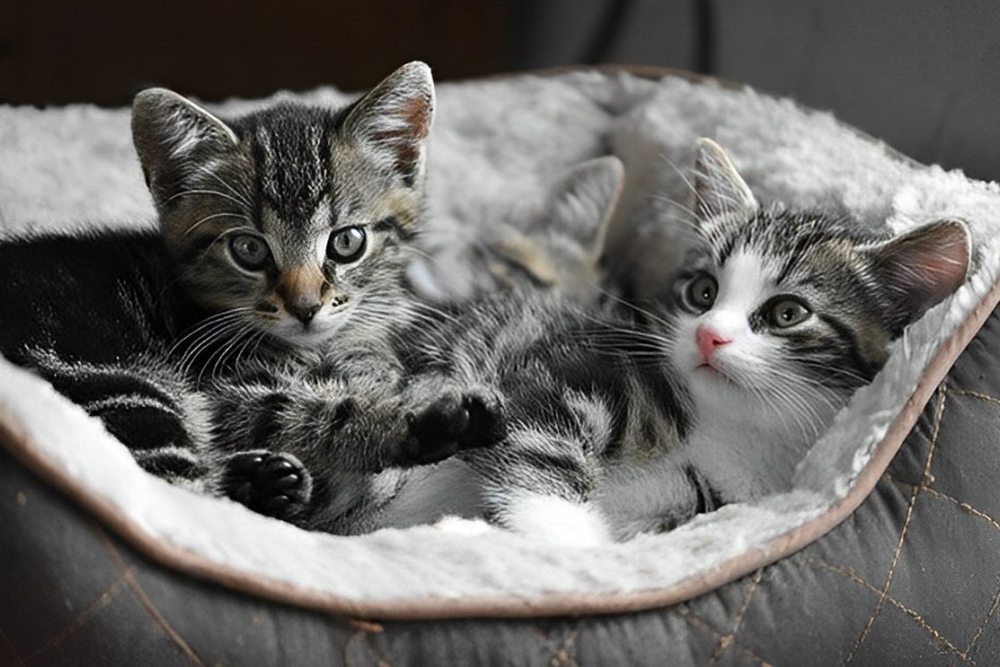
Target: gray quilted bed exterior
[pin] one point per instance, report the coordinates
(911, 578)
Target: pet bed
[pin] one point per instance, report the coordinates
(882, 551)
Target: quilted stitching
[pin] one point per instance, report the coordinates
(906, 523)
(106, 598)
(128, 575)
(727, 641)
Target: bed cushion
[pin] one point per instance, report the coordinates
(884, 545)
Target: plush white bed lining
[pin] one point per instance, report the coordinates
(493, 138)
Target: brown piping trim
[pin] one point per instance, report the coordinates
(15, 440)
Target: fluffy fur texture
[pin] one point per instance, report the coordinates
(273, 291)
(283, 231)
(704, 397)
(552, 240)
(293, 219)
(477, 153)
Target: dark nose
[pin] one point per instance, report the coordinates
(304, 312)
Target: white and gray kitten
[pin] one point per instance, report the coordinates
(615, 421)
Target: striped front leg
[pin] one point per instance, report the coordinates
(146, 405)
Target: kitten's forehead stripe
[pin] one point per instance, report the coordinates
(802, 249)
(288, 144)
(782, 234)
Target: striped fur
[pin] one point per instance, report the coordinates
(282, 251)
(295, 395)
(620, 419)
(275, 383)
(551, 241)
(289, 179)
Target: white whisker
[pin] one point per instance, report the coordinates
(214, 215)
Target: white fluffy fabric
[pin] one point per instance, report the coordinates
(74, 167)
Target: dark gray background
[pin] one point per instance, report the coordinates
(924, 75)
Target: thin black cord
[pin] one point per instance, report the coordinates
(704, 48)
(608, 30)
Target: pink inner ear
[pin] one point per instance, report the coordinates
(406, 137)
(928, 264)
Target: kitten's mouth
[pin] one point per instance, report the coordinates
(710, 370)
(311, 335)
(327, 322)
(337, 306)
(707, 369)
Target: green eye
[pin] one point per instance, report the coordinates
(787, 312)
(701, 292)
(249, 251)
(347, 245)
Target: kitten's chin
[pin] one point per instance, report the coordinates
(712, 379)
(308, 338)
(316, 334)
(722, 386)
(703, 374)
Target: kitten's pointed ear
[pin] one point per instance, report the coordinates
(168, 131)
(924, 266)
(581, 203)
(395, 117)
(719, 189)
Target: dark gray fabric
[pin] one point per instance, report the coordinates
(921, 74)
(911, 578)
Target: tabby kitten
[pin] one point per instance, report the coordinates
(550, 240)
(616, 421)
(282, 232)
(331, 498)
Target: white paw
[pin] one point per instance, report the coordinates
(559, 521)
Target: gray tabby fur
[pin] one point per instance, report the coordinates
(243, 279)
(382, 395)
(549, 240)
(294, 177)
(291, 176)
(614, 421)
(322, 392)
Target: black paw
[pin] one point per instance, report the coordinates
(272, 484)
(451, 424)
(485, 424)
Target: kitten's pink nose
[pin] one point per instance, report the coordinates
(709, 341)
